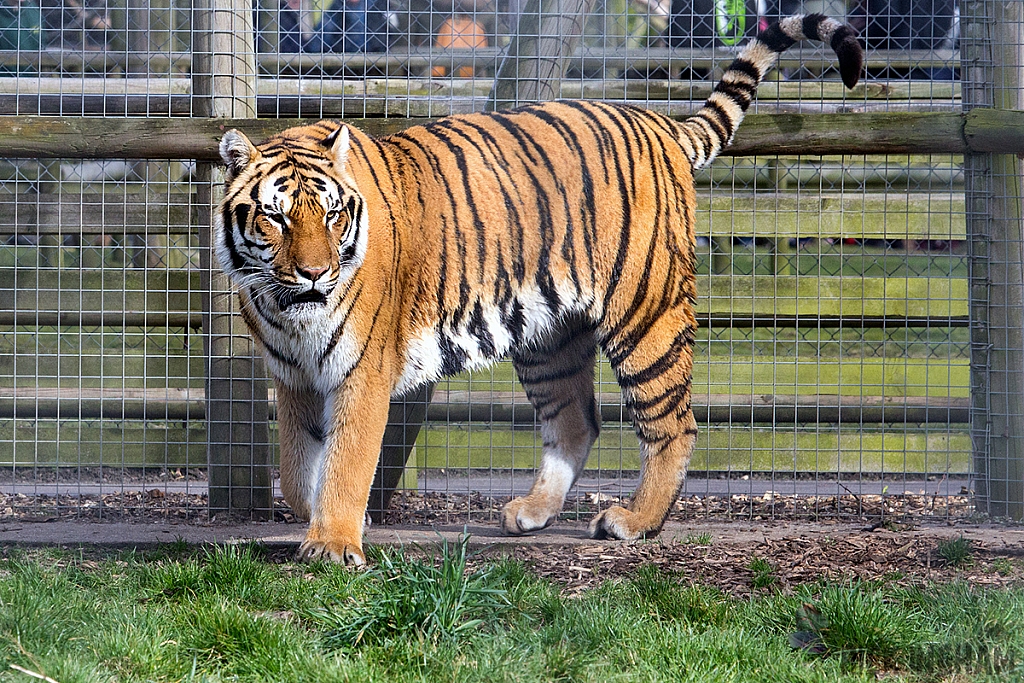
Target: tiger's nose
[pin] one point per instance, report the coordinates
(311, 273)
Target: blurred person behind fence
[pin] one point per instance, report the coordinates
(345, 26)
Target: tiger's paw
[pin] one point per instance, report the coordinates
(620, 523)
(522, 516)
(348, 554)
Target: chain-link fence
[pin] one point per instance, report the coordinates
(860, 306)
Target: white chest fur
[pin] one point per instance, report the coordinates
(308, 346)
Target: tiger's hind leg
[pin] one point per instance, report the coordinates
(559, 380)
(653, 363)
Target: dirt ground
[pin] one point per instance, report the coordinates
(712, 540)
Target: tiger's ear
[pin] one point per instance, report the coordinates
(237, 152)
(338, 143)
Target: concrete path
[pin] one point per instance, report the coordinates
(487, 535)
(504, 484)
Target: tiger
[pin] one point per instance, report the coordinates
(367, 267)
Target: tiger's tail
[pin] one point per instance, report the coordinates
(711, 129)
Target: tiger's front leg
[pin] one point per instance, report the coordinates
(300, 426)
(357, 414)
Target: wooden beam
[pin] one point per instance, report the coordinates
(276, 64)
(71, 213)
(934, 215)
(154, 318)
(68, 137)
(497, 407)
(289, 97)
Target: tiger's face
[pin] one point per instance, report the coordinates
(292, 224)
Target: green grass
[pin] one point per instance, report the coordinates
(762, 573)
(956, 552)
(202, 614)
(703, 538)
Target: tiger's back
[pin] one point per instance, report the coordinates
(368, 267)
(512, 257)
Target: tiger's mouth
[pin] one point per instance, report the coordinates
(310, 297)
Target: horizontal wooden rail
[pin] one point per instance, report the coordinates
(23, 318)
(341, 97)
(273, 63)
(980, 130)
(500, 407)
(157, 88)
(98, 214)
(917, 215)
(193, 320)
(891, 322)
(53, 295)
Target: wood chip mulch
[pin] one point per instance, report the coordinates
(869, 557)
(155, 504)
(440, 508)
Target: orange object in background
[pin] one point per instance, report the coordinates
(459, 32)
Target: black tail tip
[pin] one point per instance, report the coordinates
(850, 54)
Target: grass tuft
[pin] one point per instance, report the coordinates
(703, 538)
(857, 624)
(974, 630)
(233, 570)
(666, 598)
(956, 552)
(433, 601)
(763, 573)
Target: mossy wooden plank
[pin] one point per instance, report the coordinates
(821, 215)
(104, 357)
(73, 443)
(73, 213)
(111, 370)
(938, 451)
(698, 91)
(46, 443)
(100, 279)
(891, 263)
(847, 296)
(805, 375)
(846, 377)
(895, 92)
(101, 290)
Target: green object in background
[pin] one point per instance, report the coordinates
(20, 25)
(730, 20)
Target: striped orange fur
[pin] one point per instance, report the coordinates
(369, 266)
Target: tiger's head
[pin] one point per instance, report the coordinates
(292, 223)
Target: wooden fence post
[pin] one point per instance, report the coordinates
(546, 37)
(224, 80)
(991, 60)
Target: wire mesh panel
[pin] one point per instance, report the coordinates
(843, 365)
(102, 372)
